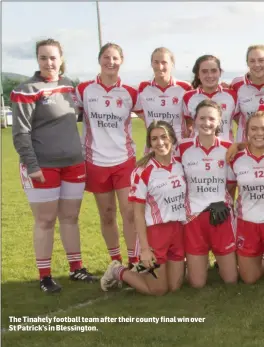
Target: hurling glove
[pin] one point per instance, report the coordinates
(219, 212)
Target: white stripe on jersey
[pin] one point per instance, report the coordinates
(250, 99)
(162, 189)
(206, 173)
(225, 98)
(249, 172)
(163, 103)
(107, 130)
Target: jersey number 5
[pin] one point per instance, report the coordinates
(207, 166)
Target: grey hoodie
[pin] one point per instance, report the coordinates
(44, 127)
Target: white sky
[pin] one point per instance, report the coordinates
(224, 29)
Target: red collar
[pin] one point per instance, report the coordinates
(219, 90)
(207, 151)
(257, 159)
(45, 79)
(107, 88)
(171, 83)
(165, 167)
(249, 82)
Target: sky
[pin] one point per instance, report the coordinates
(188, 29)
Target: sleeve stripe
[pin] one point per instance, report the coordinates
(29, 98)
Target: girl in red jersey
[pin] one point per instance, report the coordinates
(209, 224)
(207, 71)
(161, 98)
(52, 167)
(248, 168)
(109, 148)
(158, 194)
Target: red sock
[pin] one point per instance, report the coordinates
(44, 267)
(119, 272)
(131, 256)
(75, 261)
(115, 253)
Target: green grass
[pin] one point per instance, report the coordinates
(234, 314)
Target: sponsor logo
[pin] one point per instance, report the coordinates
(92, 99)
(150, 99)
(192, 163)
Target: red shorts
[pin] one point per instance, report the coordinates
(167, 241)
(250, 238)
(200, 236)
(54, 176)
(101, 179)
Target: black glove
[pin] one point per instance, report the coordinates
(219, 212)
(141, 268)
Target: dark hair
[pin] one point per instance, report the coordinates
(213, 104)
(110, 45)
(163, 50)
(160, 124)
(52, 42)
(257, 114)
(196, 81)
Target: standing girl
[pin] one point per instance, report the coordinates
(109, 148)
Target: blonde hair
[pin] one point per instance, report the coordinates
(163, 50)
(258, 114)
(160, 124)
(52, 42)
(213, 104)
(253, 47)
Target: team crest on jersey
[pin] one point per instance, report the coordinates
(175, 100)
(223, 106)
(132, 190)
(119, 102)
(240, 241)
(221, 163)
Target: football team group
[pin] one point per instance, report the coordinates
(199, 186)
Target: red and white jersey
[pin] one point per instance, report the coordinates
(206, 174)
(162, 189)
(225, 98)
(249, 173)
(163, 103)
(250, 99)
(106, 137)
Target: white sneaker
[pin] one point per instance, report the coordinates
(108, 280)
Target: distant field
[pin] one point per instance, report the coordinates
(233, 314)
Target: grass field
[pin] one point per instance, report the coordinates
(234, 315)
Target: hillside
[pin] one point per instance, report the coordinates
(13, 76)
